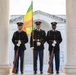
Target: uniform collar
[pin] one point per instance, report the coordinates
(38, 29)
(54, 30)
(19, 31)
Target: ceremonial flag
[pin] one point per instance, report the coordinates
(28, 20)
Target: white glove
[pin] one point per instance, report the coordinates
(54, 42)
(32, 48)
(19, 42)
(38, 43)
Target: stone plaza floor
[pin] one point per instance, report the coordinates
(38, 74)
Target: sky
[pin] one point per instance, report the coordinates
(54, 7)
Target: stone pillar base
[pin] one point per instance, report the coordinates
(5, 69)
(70, 69)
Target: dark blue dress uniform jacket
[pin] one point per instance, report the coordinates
(35, 35)
(54, 35)
(20, 36)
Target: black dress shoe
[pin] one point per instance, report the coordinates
(16, 72)
(21, 72)
(51, 72)
(35, 72)
(57, 72)
(41, 72)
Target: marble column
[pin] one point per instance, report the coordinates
(4, 37)
(71, 36)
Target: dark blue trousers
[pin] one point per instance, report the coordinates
(57, 60)
(21, 57)
(37, 53)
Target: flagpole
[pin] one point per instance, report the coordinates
(32, 33)
(32, 13)
(32, 23)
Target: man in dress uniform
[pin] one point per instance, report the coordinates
(19, 39)
(54, 39)
(37, 41)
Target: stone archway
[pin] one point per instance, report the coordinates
(46, 20)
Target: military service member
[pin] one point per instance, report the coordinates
(54, 39)
(19, 39)
(37, 41)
